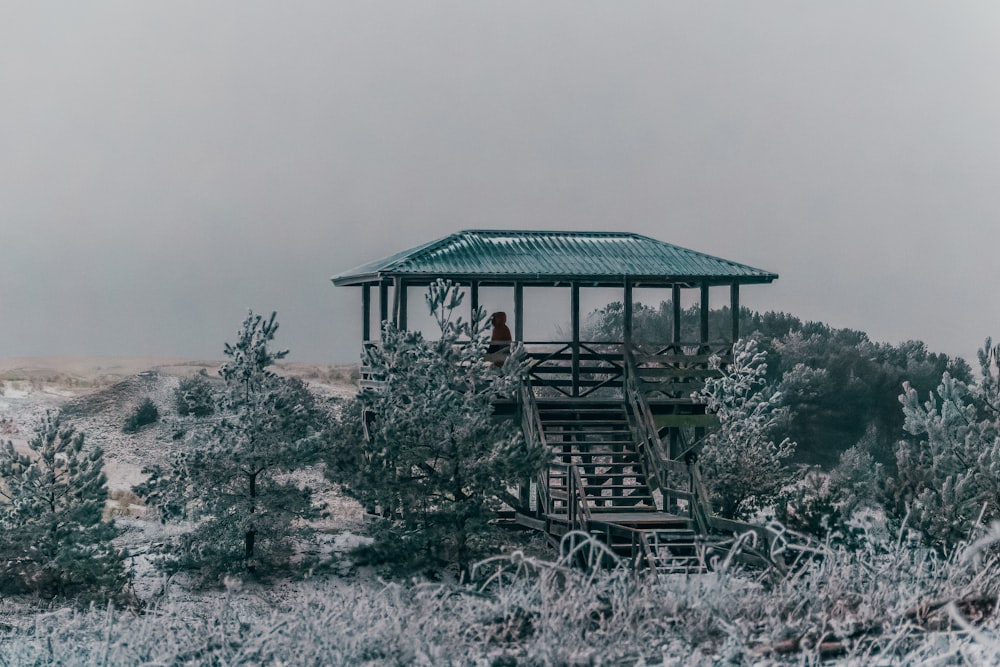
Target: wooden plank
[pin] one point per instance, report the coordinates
(518, 311)
(627, 315)
(704, 311)
(575, 322)
(366, 313)
(647, 373)
(638, 517)
(675, 295)
(527, 521)
(672, 387)
(383, 305)
(667, 360)
(734, 305)
(685, 421)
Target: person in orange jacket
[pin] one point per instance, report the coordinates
(500, 340)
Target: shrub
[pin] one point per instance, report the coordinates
(850, 608)
(195, 396)
(425, 449)
(744, 468)
(233, 481)
(145, 414)
(53, 541)
(949, 470)
(825, 505)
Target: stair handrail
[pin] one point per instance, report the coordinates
(648, 436)
(654, 455)
(577, 508)
(531, 426)
(700, 507)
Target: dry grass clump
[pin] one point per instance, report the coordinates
(123, 503)
(901, 605)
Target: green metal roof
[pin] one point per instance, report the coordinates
(540, 257)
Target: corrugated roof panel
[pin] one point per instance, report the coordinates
(480, 254)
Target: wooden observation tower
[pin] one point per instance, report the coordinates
(613, 413)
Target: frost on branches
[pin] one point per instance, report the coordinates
(949, 472)
(743, 466)
(53, 541)
(232, 479)
(425, 450)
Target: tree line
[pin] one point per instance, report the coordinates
(815, 424)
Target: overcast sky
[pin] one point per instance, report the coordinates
(166, 165)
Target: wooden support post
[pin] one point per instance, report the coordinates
(399, 304)
(575, 319)
(704, 312)
(627, 317)
(734, 305)
(366, 313)
(519, 312)
(383, 304)
(473, 299)
(675, 296)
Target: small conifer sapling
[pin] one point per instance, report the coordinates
(53, 540)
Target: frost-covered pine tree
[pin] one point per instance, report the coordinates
(949, 471)
(233, 480)
(744, 467)
(53, 540)
(425, 449)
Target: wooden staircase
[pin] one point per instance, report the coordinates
(597, 482)
(596, 437)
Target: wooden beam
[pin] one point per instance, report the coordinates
(366, 313)
(519, 312)
(627, 316)
(403, 305)
(675, 295)
(399, 304)
(734, 305)
(473, 299)
(704, 311)
(383, 304)
(575, 319)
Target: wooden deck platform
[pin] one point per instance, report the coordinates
(632, 519)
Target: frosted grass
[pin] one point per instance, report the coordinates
(897, 606)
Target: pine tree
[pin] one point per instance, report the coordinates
(232, 479)
(744, 468)
(425, 448)
(54, 541)
(195, 396)
(949, 470)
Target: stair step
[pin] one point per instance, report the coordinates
(624, 475)
(579, 406)
(624, 458)
(591, 490)
(589, 431)
(583, 416)
(608, 475)
(577, 426)
(594, 460)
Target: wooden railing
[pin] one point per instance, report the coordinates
(657, 460)
(677, 370)
(577, 507)
(531, 426)
(592, 368)
(575, 369)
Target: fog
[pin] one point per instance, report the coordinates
(166, 165)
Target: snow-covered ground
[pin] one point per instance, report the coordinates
(897, 606)
(96, 396)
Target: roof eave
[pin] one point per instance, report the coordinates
(543, 279)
